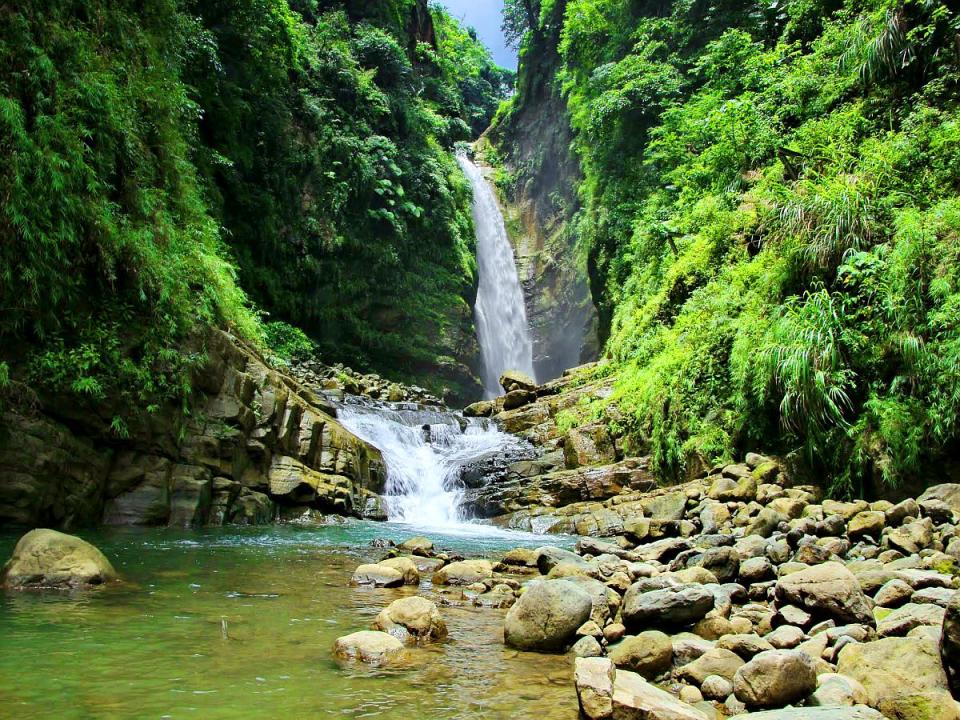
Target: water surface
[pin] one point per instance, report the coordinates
(154, 647)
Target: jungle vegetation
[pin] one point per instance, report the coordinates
(170, 164)
(770, 205)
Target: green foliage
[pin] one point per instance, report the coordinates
(288, 342)
(770, 208)
(152, 148)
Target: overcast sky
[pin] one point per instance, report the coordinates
(484, 15)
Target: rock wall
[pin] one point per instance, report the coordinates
(257, 444)
(535, 141)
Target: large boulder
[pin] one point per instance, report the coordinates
(412, 619)
(377, 575)
(593, 678)
(50, 559)
(903, 677)
(950, 643)
(465, 572)
(369, 646)
(716, 661)
(406, 567)
(547, 615)
(774, 678)
(672, 606)
(828, 590)
(948, 493)
(650, 653)
(515, 380)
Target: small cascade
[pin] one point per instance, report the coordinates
(425, 451)
(500, 313)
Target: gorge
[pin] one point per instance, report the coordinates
(346, 373)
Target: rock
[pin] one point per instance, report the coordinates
(587, 647)
(512, 380)
(587, 446)
(406, 567)
(950, 643)
(377, 575)
(893, 594)
(838, 690)
(867, 523)
(636, 699)
(665, 506)
(369, 646)
(775, 677)
(483, 408)
(717, 688)
(411, 619)
(904, 619)
(649, 654)
(829, 590)
(50, 559)
(765, 523)
(902, 511)
(518, 398)
(746, 645)
(418, 545)
(756, 569)
(911, 537)
(549, 557)
(723, 562)
(547, 615)
(465, 572)
(674, 606)
(895, 673)
(715, 661)
(690, 695)
(785, 637)
(948, 493)
(594, 678)
(860, 712)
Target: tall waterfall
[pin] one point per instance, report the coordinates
(425, 451)
(500, 314)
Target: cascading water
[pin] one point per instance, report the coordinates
(500, 314)
(425, 451)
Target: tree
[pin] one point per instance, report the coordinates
(519, 17)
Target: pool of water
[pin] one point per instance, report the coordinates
(155, 647)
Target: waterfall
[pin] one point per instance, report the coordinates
(425, 451)
(500, 314)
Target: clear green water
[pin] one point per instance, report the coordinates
(153, 647)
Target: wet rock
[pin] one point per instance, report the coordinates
(465, 572)
(547, 616)
(377, 575)
(674, 606)
(829, 590)
(369, 646)
(406, 567)
(774, 678)
(649, 654)
(49, 559)
(483, 408)
(412, 619)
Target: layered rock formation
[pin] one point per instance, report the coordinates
(255, 442)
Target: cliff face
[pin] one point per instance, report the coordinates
(534, 142)
(256, 445)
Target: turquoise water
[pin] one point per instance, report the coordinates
(154, 646)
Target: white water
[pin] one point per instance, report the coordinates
(500, 314)
(424, 451)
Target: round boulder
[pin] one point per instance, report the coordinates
(465, 572)
(547, 616)
(650, 653)
(50, 559)
(672, 606)
(775, 678)
(377, 575)
(412, 619)
(368, 646)
(827, 590)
